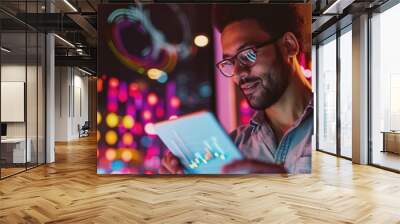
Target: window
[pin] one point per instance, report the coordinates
(385, 88)
(327, 96)
(346, 93)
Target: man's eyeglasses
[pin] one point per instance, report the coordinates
(246, 57)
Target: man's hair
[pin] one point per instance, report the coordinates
(275, 19)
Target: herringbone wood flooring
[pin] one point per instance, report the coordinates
(69, 191)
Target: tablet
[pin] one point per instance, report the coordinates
(199, 142)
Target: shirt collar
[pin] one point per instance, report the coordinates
(259, 116)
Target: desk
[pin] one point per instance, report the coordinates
(391, 141)
(15, 148)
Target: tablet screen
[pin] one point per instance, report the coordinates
(199, 142)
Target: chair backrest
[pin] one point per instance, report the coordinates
(86, 125)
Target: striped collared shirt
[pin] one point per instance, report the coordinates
(257, 141)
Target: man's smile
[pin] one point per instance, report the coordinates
(250, 86)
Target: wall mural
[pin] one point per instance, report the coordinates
(156, 63)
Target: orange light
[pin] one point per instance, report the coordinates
(136, 157)
(152, 99)
(175, 102)
(128, 121)
(110, 154)
(99, 85)
(111, 137)
(154, 73)
(127, 139)
(98, 136)
(98, 117)
(126, 155)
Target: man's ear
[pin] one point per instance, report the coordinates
(290, 44)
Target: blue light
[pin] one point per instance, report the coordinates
(163, 78)
(117, 165)
(101, 171)
(205, 90)
(145, 141)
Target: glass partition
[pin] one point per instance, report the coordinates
(13, 103)
(22, 87)
(346, 93)
(327, 95)
(385, 89)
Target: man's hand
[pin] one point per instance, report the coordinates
(170, 164)
(252, 166)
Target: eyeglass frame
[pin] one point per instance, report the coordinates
(255, 48)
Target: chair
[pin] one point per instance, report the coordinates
(84, 130)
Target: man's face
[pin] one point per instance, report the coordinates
(265, 82)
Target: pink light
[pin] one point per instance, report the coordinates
(112, 92)
(159, 112)
(175, 102)
(152, 99)
(147, 115)
(138, 129)
(244, 104)
(133, 87)
(153, 151)
(123, 92)
(123, 97)
(113, 83)
(112, 107)
(130, 109)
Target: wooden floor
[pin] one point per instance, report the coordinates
(387, 159)
(69, 191)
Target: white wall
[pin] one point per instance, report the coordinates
(33, 127)
(13, 73)
(71, 94)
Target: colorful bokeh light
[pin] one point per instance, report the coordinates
(201, 40)
(152, 99)
(127, 139)
(111, 154)
(128, 121)
(175, 102)
(112, 120)
(111, 137)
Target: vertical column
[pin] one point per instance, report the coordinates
(360, 90)
(314, 89)
(50, 92)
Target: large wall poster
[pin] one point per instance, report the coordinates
(157, 62)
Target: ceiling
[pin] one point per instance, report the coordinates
(80, 27)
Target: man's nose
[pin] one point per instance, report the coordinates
(240, 72)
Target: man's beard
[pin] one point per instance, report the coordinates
(271, 85)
